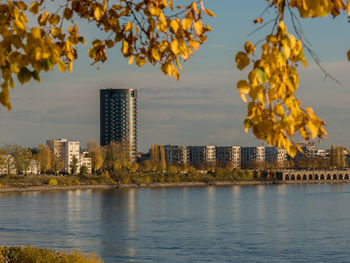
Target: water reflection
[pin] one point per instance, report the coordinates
(217, 224)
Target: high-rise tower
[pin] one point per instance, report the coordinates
(118, 118)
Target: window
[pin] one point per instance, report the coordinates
(132, 94)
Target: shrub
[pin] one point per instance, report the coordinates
(53, 182)
(30, 254)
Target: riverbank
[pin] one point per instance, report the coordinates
(157, 185)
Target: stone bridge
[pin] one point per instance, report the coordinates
(310, 175)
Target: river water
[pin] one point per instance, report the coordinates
(264, 223)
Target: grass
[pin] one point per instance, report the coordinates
(40, 255)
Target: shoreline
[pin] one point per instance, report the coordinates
(45, 188)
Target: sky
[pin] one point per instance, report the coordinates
(202, 108)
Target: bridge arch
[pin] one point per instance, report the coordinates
(292, 177)
(311, 177)
(298, 177)
(317, 177)
(329, 177)
(322, 177)
(335, 177)
(304, 177)
(346, 176)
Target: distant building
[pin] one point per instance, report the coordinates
(118, 118)
(57, 147)
(202, 155)
(252, 156)
(7, 165)
(228, 155)
(309, 150)
(84, 160)
(66, 150)
(176, 155)
(276, 156)
(33, 168)
(72, 150)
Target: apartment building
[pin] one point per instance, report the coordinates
(202, 155)
(276, 155)
(176, 155)
(228, 156)
(252, 156)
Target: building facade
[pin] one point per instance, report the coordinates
(252, 156)
(176, 155)
(228, 156)
(118, 118)
(202, 155)
(276, 156)
(57, 147)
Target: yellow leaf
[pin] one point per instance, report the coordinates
(131, 60)
(198, 26)
(243, 86)
(174, 46)
(279, 110)
(34, 8)
(35, 32)
(194, 44)
(70, 66)
(125, 47)
(208, 12)
(54, 19)
(98, 13)
(242, 60)
(128, 27)
(312, 128)
(55, 31)
(174, 25)
(21, 5)
(186, 23)
(348, 6)
(249, 47)
(194, 7)
(155, 11)
(43, 18)
(61, 65)
(155, 54)
(140, 61)
(67, 13)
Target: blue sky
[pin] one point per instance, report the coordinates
(202, 108)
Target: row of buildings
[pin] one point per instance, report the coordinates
(235, 156)
(65, 151)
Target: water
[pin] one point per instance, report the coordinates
(276, 223)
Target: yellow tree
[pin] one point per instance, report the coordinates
(43, 156)
(95, 153)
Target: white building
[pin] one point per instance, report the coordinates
(176, 155)
(84, 160)
(228, 155)
(68, 150)
(252, 156)
(72, 150)
(33, 168)
(7, 165)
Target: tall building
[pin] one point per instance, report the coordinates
(118, 118)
